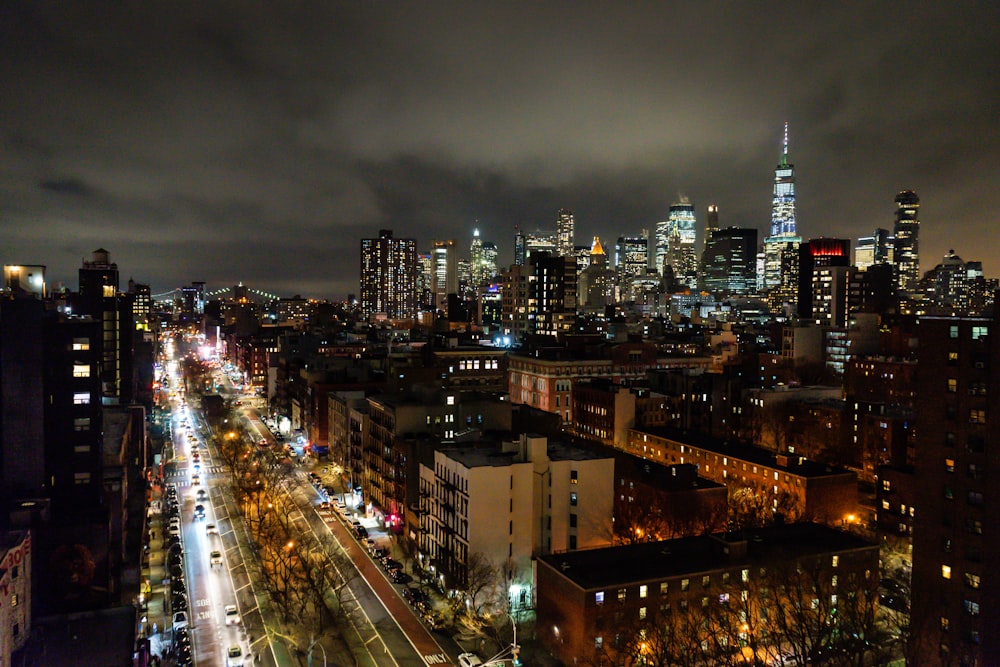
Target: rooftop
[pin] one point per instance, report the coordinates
(620, 566)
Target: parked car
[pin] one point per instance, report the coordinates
(362, 532)
(215, 558)
(390, 564)
(174, 530)
(415, 597)
(211, 529)
(399, 577)
(180, 620)
(379, 554)
(469, 660)
(178, 602)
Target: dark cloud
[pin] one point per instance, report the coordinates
(221, 141)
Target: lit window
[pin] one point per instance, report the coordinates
(81, 344)
(642, 613)
(685, 584)
(835, 562)
(599, 597)
(81, 398)
(972, 580)
(451, 400)
(643, 590)
(81, 424)
(81, 371)
(621, 594)
(946, 571)
(952, 385)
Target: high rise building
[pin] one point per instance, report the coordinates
(541, 241)
(781, 247)
(661, 244)
(520, 247)
(730, 262)
(956, 545)
(389, 276)
(491, 267)
(476, 259)
(631, 260)
(597, 281)
(683, 230)
(565, 224)
(445, 257)
(25, 278)
(906, 246)
(783, 202)
(552, 294)
(711, 223)
(100, 298)
(819, 295)
(874, 249)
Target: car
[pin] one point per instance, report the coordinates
(469, 660)
(175, 560)
(182, 638)
(199, 511)
(415, 597)
(178, 602)
(369, 544)
(211, 529)
(174, 530)
(323, 507)
(355, 525)
(399, 577)
(330, 491)
(379, 554)
(176, 572)
(155, 507)
(362, 532)
(390, 565)
(232, 615)
(175, 548)
(202, 495)
(234, 657)
(178, 586)
(180, 620)
(215, 558)
(195, 479)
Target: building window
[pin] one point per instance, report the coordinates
(979, 332)
(977, 416)
(975, 498)
(835, 562)
(953, 331)
(598, 643)
(572, 521)
(971, 608)
(642, 613)
(573, 477)
(81, 371)
(599, 597)
(81, 478)
(451, 400)
(945, 623)
(972, 580)
(81, 424)
(572, 541)
(685, 584)
(949, 465)
(572, 499)
(706, 581)
(622, 594)
(664, 588)
(14, 601)
(81, 344)
(946, 572)
(643, 590)
(952, 385)
(81, 398)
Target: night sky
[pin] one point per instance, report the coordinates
(260, 141)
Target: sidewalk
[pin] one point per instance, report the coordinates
(157, 612)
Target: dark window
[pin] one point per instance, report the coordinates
(572, 521)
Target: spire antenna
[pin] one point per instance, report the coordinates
(786, 141)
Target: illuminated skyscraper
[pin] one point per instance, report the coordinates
(565, 224)
(476, 259)
(389, 276)
(520, 247)
(874, 249)
(906, 247)
(783, 204)
(631, 259)
(490, 266)
(729, 262)
(683, 229)
(444, 254)
(781, 247)
(711, 223)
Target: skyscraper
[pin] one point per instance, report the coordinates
(389, 276)
(444, 254)
(100, 298)
(781, 247)
(711, 223)
(565, 224)
(681, 255)
(729, 262)
(819, 298)
(490, 254)
(631, 259)
(874, 249)
(520, 247)
(476, 259)
(906, 247)
(783, 203)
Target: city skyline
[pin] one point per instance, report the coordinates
(263, 146)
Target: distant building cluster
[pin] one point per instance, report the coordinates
(654, 454)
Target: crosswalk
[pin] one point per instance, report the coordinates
(213, 470)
